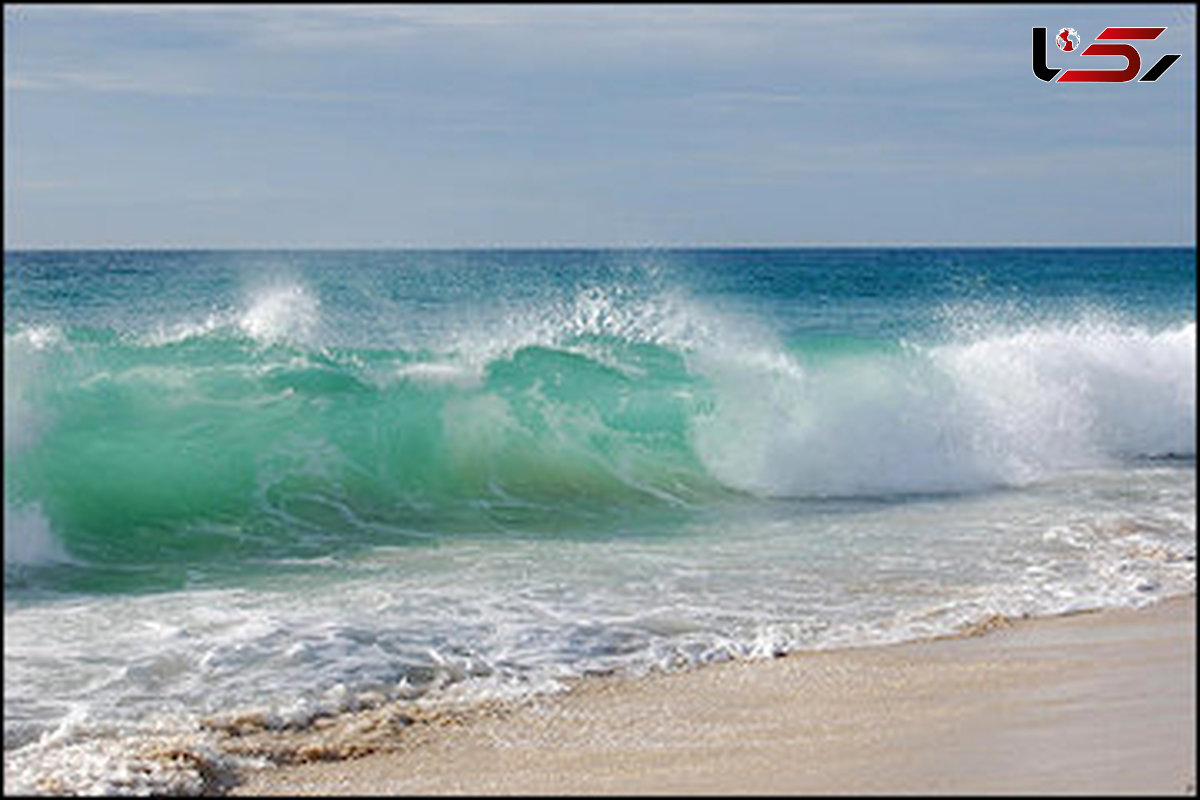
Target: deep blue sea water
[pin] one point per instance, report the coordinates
(280, 480)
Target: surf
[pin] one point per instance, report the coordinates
(247, 437)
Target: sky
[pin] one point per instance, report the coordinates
(246, 126)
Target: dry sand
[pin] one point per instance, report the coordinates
(1098, 703)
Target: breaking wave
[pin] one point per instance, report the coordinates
(243, 435)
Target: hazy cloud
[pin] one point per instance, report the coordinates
(599, 124)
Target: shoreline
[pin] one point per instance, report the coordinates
(1086, 703)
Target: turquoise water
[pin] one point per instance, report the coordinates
(282, 479)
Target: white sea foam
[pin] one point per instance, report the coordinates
(281, 311)
(120, 766)
(1000, 410)
(24, 353)
(28, 538)
(1064, 394)
(277, 309)
(172, 333)
(439, 374)
(618, 313)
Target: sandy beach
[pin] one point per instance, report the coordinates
(1094, 703)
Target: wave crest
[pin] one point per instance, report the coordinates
(216, 444)
(1000, 410)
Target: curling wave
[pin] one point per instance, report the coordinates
(243, 438)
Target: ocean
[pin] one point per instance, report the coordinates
(295, 483)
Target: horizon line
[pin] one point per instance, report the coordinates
(551, 247)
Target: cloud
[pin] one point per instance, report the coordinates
(248, 49)
(41, 185)
(441, 115)
(786, 163)
(100, 81)
(719, 30)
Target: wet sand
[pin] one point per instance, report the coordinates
(1098, 703)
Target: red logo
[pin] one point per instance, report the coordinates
(1068, 42)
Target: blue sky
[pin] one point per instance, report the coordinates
(562, 125)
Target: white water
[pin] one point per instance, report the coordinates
(503, 617)
(1003, 410)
